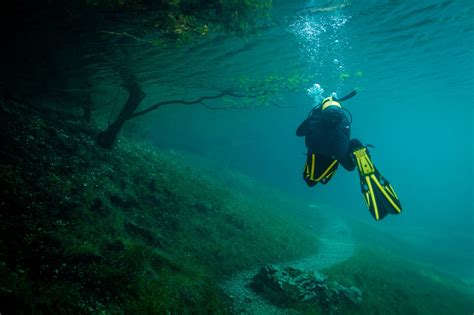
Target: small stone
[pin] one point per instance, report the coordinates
(287, 287)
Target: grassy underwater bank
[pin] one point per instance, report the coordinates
(130, 230)
(395, 280)
(392, 278)
(393, 285)
(145, 231)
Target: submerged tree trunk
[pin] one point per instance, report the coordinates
(107, 138)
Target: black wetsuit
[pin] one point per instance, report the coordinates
(327, 133)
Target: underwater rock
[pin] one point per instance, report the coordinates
(290, 287)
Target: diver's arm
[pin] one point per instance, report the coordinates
(302, 129)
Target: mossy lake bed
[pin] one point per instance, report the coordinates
(139, 230)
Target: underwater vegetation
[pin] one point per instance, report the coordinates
(127, 230)
(187, 19)
(394, 285)
(95, 222)
(138, 230)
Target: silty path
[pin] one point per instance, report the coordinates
(336, 245)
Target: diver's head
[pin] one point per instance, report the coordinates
(329, 101)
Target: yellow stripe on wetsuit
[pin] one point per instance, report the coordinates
(327, 171)
(313, 161)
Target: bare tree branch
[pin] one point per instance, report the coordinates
(227, 107)
(193, 102)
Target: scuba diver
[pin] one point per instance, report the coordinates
(327, 137)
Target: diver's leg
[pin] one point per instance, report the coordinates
(342, 152)
(319, 168)
(355, 144)
(348, 162)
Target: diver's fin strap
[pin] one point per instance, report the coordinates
(364, 164)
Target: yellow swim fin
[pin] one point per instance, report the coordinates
(379, 195)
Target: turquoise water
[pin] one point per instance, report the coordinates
(412, 64)
(413, 67)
